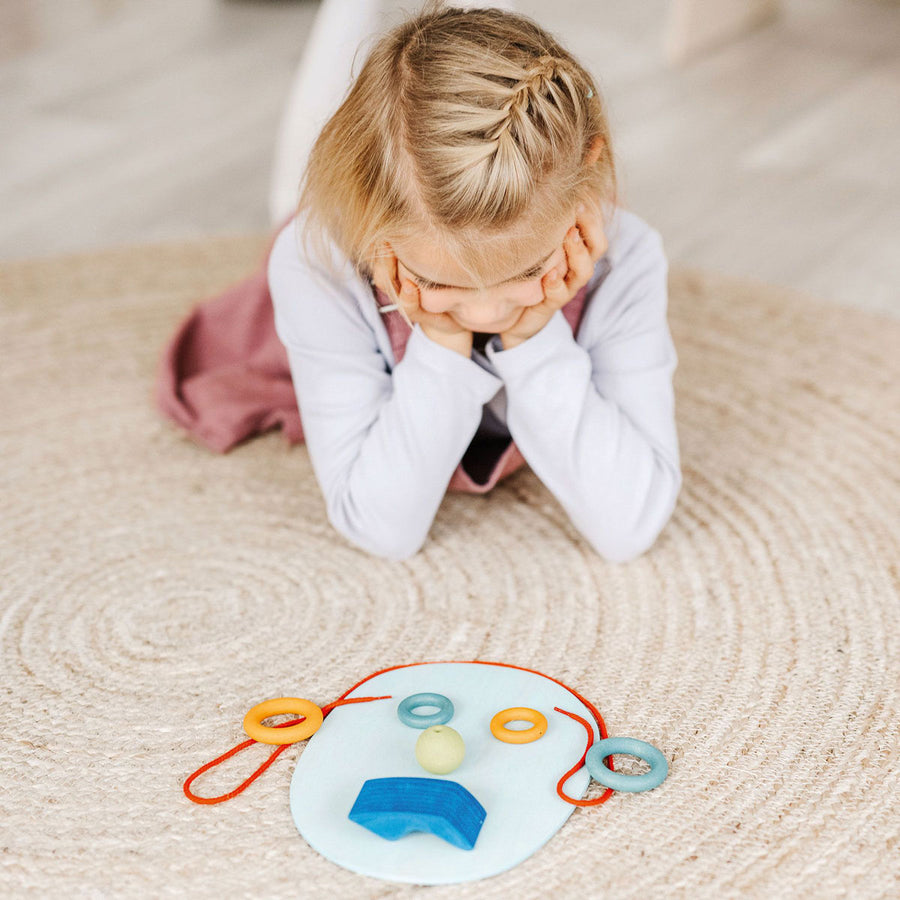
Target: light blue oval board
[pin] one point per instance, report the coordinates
(515, 783)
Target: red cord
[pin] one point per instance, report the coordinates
(590, 741)
(280, 749)
(223, 757)
(342, 700)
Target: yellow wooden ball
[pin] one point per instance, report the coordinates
(440, 749)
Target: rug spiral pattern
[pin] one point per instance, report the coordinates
(153, 592)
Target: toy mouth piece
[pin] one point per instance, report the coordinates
(395, 807)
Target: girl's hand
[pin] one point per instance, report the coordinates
(584, 244)
(439, 327)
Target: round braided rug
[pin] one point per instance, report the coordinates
(153, 592)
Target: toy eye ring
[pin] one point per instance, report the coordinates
(264, 734)
(407, 715)
(518, 714)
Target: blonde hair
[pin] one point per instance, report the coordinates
(470, 126)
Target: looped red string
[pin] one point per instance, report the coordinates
(280, 749)
(601, 725)
(590, 742)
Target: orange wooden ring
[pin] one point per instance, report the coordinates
(518, 714)
(300, 732)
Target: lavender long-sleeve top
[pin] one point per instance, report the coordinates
(593, 415)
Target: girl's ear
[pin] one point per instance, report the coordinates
(594, 153)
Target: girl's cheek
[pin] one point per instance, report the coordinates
(433, 302)
(529, 294)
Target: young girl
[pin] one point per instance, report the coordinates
(459, 293)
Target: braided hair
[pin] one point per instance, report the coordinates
(471, 125)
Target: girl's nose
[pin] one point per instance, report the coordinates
(486, 320)
(486, 315)
(440, 749)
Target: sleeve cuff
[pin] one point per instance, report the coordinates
(425, 352)
(551, 340)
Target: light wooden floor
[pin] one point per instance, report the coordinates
(775, 157)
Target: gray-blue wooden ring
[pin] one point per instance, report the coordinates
(659, 768)
(408, 716)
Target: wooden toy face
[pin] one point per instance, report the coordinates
(515, 783)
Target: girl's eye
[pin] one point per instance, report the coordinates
(431, 286)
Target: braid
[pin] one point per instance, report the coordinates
(471, 124)
(536, 81)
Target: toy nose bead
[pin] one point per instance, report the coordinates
(440, 749)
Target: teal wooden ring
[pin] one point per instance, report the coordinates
(659, 768)
(407, 715)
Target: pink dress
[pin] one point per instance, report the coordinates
(224, 377)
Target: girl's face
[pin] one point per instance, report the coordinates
(445, 288)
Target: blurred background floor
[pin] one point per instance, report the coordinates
(772, 157)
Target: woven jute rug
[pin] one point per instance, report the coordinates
(153, 592)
